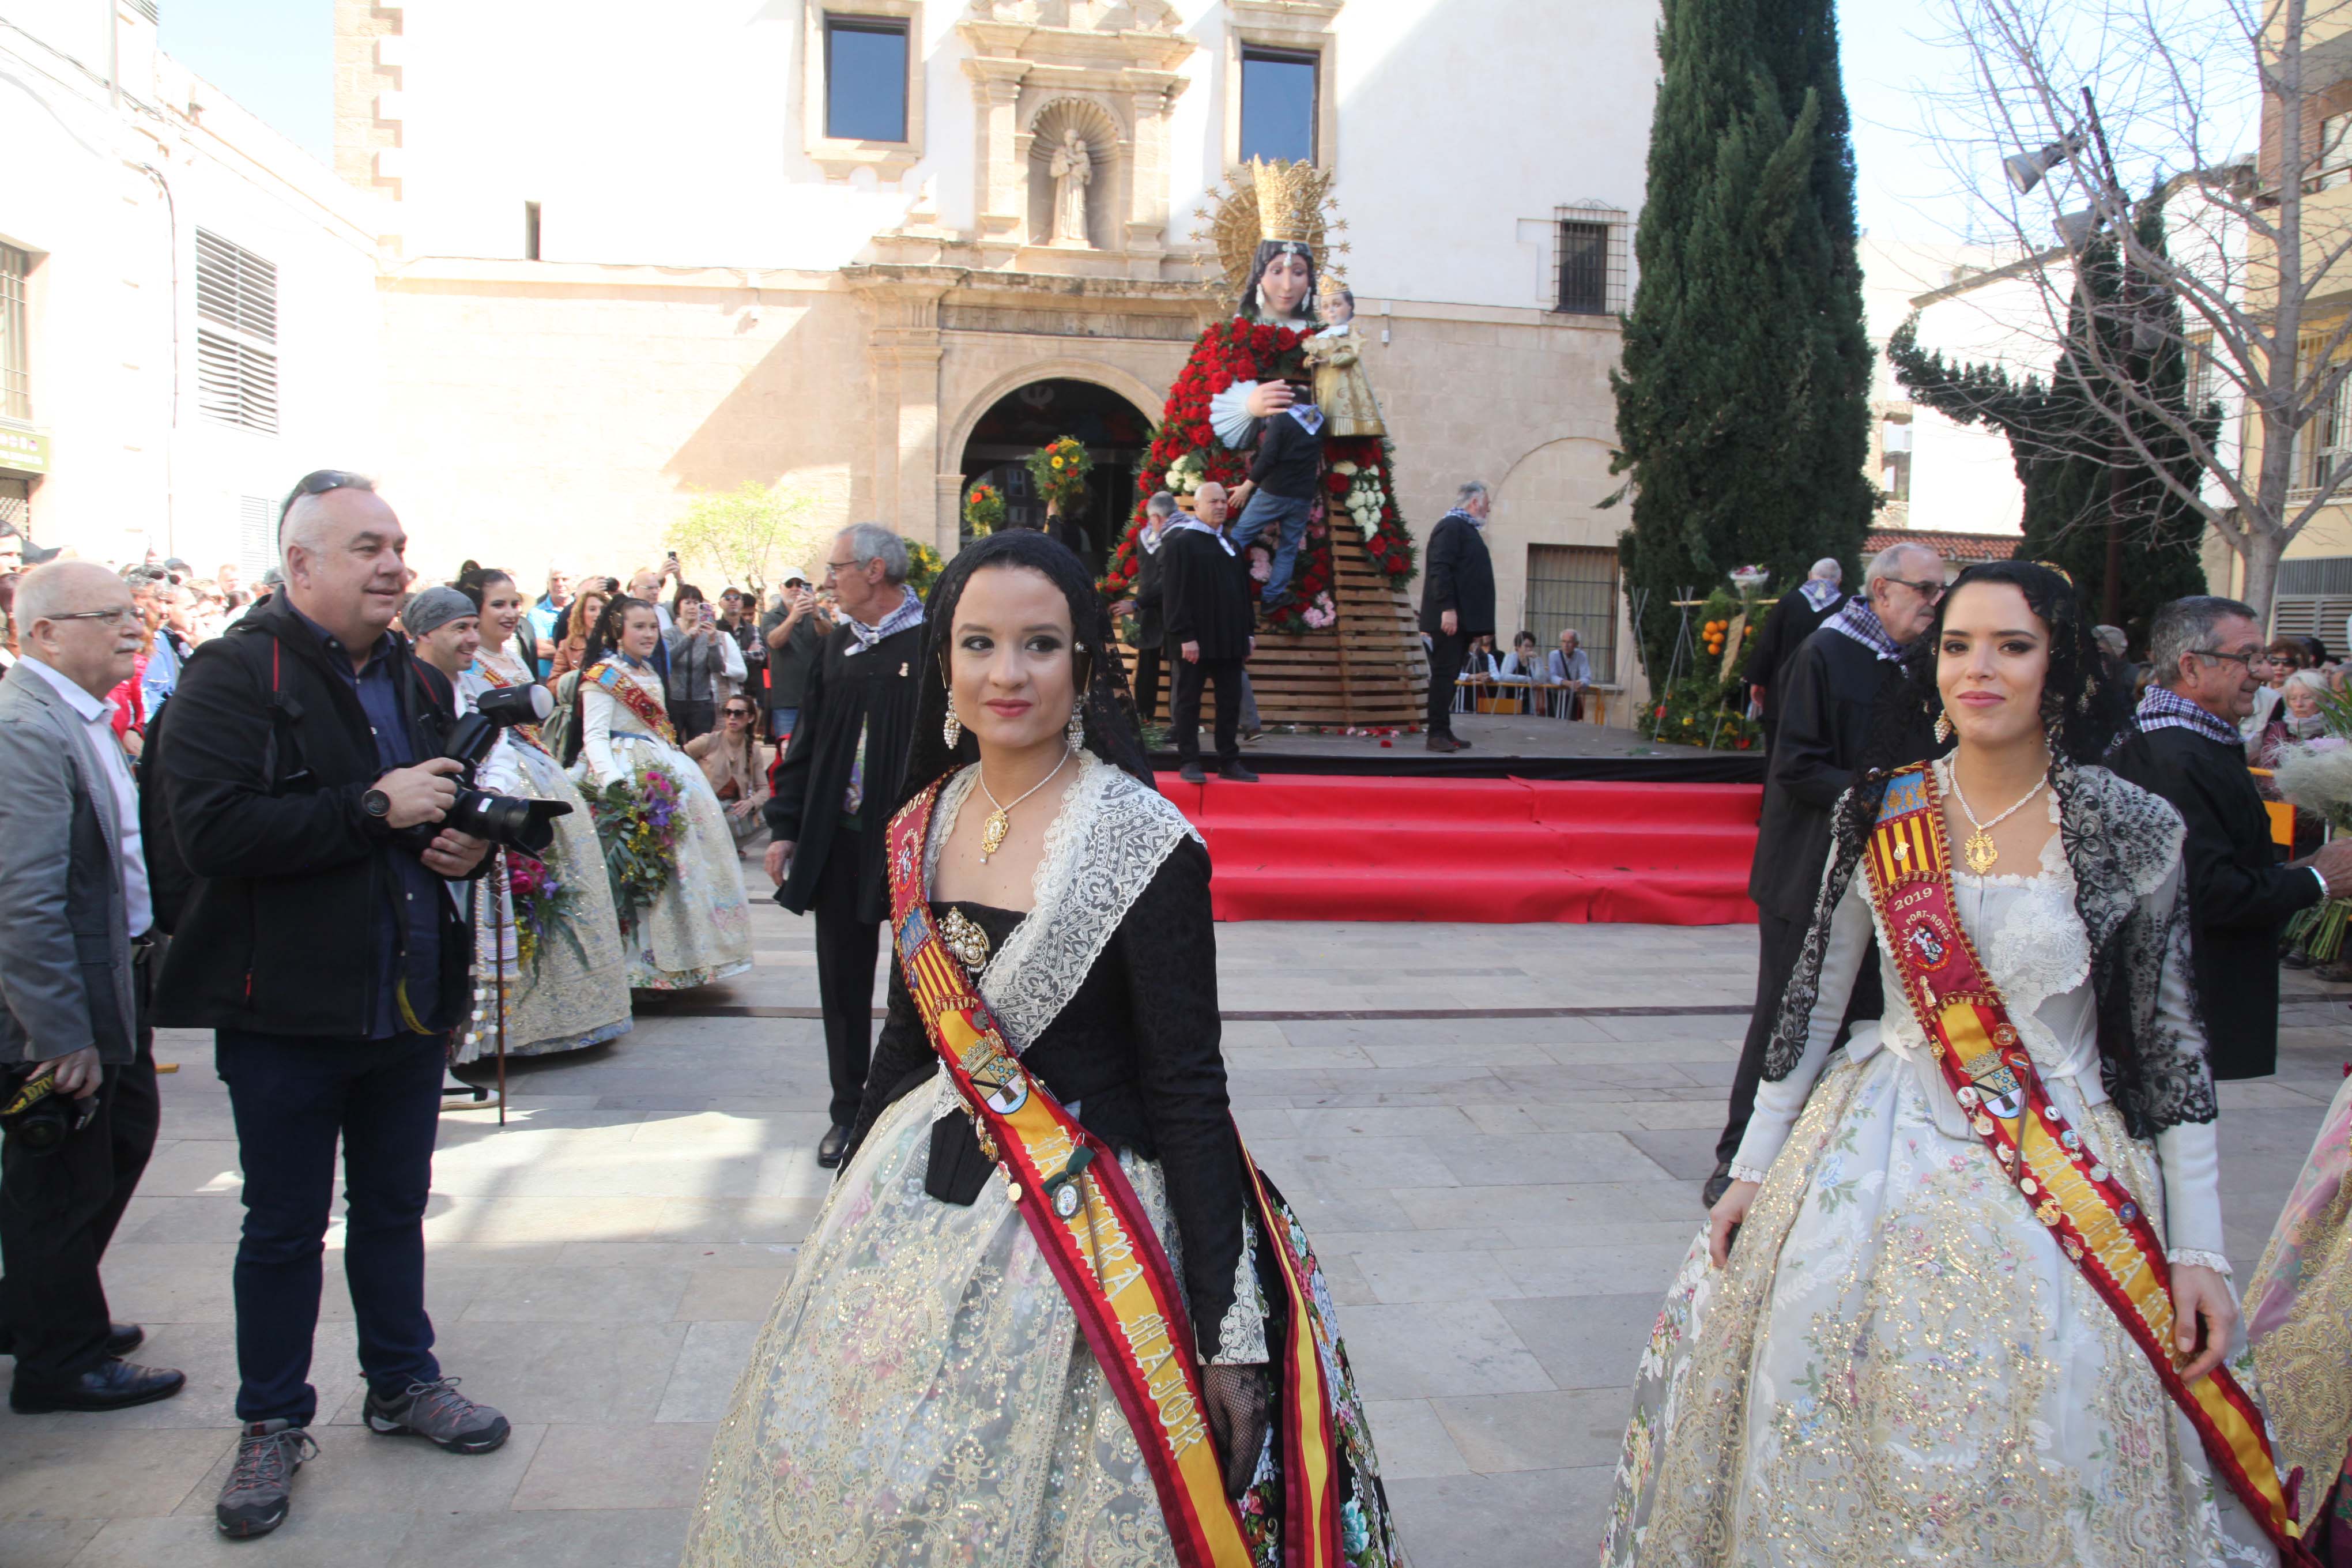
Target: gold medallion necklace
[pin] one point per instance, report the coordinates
(1000, 821)
(1978, 850)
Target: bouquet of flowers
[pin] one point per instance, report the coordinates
(924, 565)
(543, 903)
(2316, 776)
(1060, 468)
(639, 822)
(983, 509)
(1187, 474)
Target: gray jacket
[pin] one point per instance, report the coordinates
(65, 945)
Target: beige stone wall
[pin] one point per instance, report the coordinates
(564, 412)
(365, 72)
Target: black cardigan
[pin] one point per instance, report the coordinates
(1785, 627)
(874, 691)
(1289, 458)
(1137, 1050)
(1458, 574)
(2239, 894)
(1149, 619)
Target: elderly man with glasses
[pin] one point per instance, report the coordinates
(1839, 684)
(2210, 659)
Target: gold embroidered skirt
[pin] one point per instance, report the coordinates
(1900, 1366)
(922, 1394)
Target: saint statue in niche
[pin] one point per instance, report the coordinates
(1072, 168)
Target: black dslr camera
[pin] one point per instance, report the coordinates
(41, 1119)
(509, 821)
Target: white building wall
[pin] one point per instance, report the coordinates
(107, 196)
(1962, 478)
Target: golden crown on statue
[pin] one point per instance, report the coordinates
(1282, 201)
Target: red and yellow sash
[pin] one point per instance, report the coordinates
(633, 697)
(2090, 1215)
(1099, 1243)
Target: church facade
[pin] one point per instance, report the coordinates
(870, 252)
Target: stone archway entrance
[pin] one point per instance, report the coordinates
(1114, 432)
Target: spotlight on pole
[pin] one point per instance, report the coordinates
(2076, 229)
(2025, 170)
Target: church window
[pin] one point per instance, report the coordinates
(866, 78)
(1278, 89)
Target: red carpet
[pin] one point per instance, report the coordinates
(1319, 847)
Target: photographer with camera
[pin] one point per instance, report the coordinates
(77, 1103)
(319, 941)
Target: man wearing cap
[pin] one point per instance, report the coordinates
(794, 635)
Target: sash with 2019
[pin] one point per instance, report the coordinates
(2094, 1220)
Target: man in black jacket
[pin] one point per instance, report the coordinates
(2210, 661)
(319, 943)
(1796, 616)
(1146, 607)
(1204, 602)
(832, 792)
(1457, 604)
(1280, 492)
(1843, 679)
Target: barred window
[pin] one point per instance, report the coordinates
(1589, 261)
(16, 360)
(236, 334)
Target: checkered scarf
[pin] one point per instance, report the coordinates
(2164, 709)
(1860, 623)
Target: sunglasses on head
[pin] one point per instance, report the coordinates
(317, 483)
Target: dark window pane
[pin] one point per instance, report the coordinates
(865, 82)
(1277, 106)
(1584, 268)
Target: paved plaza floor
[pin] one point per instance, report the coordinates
(1498, 1200)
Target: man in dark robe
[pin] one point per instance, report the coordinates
(1457, 604)
(1208, 620)
(1846, 680)
(1796, 616)
(2185, 745)
(834, 788)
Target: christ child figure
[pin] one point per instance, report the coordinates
(1341, 388)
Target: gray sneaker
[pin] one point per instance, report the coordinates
(254, 1500)
(438, 1411)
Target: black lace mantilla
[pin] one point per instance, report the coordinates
(2122, 844)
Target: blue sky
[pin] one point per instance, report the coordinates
(274, 56)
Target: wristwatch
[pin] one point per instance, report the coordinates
(376, 803)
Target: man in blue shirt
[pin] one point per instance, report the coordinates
(545, 618)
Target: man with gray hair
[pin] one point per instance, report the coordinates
(1457, 604)
(1845, 704)
(1797, 615)
(76, 1051)
(2209, 659)
(832, 788)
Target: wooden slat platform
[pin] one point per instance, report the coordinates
(1368, 669)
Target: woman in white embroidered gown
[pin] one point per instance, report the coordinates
(923, 1395)
(1893, 1361)
(698, 929)
(575, 992)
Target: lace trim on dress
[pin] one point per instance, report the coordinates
(1241, 1337)
(2214, 1261)
(1105, 845)
(1740, 1172)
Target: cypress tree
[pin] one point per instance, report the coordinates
(2064, 450)
(1743, 397)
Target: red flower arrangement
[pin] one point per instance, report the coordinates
(1238, 351)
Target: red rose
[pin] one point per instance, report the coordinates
(1396, 566)
(1262, 338)
(1221, 382)
(1377, 546)
(1336, 482)
(1286, 338)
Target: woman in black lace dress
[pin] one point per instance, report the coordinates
(923, 1393)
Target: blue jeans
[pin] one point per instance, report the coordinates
(1263, 511)
(293, 1099)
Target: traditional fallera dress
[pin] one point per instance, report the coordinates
(565, 984)
(931, 1386)
(2299, 1317)
(698, 929)
(1906, 1360)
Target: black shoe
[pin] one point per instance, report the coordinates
(830, 1146)
(254, 1500)
(1236, 771)
(1712, 1191)
(121, 1339)
(1191, 773)
(1438, 743)
(1459, 744)
(111, 1384)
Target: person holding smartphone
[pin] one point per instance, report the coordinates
(705, 666)
(794, 633)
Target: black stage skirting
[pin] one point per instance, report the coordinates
(1696, 767)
